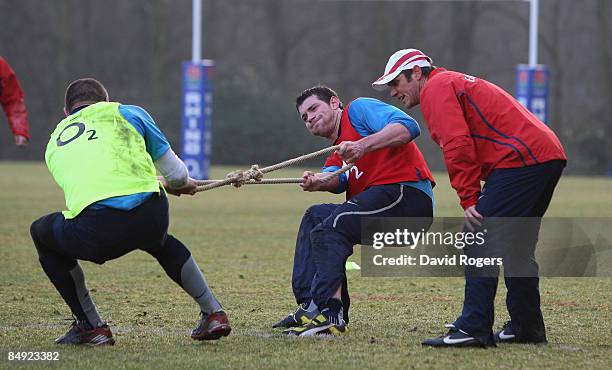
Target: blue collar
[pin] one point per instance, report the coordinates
(79, 108)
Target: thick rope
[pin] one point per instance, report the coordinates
(237, 178)
(214, 184)
(261, 182)
(289, 180)
(297, 160)
(255, 174)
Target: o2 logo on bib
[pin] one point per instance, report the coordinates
(68, 135)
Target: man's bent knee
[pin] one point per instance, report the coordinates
(41, 231)
(318, 211)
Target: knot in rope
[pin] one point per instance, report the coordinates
(240, 177)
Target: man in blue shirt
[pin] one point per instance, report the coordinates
(389, 179)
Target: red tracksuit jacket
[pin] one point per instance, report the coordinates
(11, 99)
(403, 163)
(480, 127)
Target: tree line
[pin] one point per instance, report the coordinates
(267, 51)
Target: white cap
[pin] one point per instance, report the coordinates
(400, 61)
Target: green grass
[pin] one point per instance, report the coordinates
(243, 239)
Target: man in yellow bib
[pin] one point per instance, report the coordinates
(104, 157)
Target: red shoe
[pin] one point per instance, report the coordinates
(80, 334)
(212, 327)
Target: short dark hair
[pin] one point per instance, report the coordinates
(425, 70)
(322, 92)
(84, 90)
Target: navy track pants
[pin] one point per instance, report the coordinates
(512, 192)
(328, 233)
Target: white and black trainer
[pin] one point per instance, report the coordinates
(505, 335)
(454, 338)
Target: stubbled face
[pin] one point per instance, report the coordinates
(408, 92)
(319, 116)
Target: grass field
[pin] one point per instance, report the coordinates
(243, 239)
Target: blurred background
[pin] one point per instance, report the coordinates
(267, 51)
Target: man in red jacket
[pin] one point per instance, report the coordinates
(485, 135)
(11, 98)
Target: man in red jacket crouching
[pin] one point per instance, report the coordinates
(486, 135)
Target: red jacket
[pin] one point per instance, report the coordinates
(480, 127)
(403, 163)
(11, 98)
